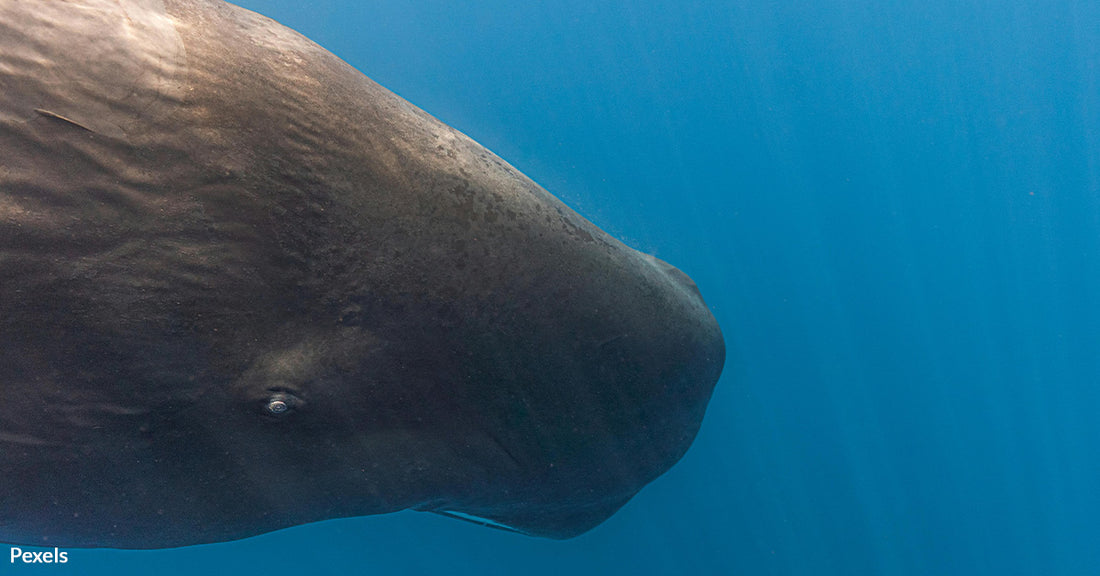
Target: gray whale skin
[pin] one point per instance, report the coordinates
(242, 288)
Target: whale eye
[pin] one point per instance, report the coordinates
(280, 403)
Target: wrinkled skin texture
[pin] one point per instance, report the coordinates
(245, 288)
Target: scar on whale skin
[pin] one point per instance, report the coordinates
(60, 118)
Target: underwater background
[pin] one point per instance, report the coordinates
(893, 208)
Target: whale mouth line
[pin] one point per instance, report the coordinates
(478, 520)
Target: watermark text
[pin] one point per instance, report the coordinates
(43, 557)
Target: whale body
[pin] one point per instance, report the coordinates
(243, 287)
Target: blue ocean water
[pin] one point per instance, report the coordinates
(893, 208)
